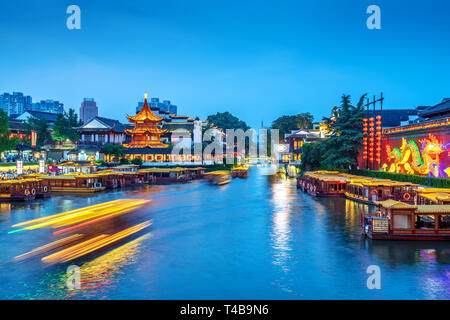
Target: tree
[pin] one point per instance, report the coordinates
(42, 130)
(287, 123)
(225, 120)
(124, 161)
(114, 150)
(344, 143)
(6, 143)
(64, 127)
(137, 161)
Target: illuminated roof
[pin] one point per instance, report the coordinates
(145, 114)
(392, 204)
(145, 130)
(434, 208)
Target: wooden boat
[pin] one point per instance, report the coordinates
(17, 190)
(322, 184)
(109, 179)
(239, 172)
(42, 186)
(371, 190)
(75, 183)
(401, 221)
(196, 173)
(167, 175)
(219, 178)
(433, 196)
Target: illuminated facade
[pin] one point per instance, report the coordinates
(421, 149)
(146, 137)
(145, 133)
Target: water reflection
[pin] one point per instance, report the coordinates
(253, 238)
(281, 233)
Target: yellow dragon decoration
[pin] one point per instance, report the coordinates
(409, 159)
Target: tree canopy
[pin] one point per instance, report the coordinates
(42, 130)
(6, 143)
(225, 120)
(341, 149)
(64, 127)
(287, 123)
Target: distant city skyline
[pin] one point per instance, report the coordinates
(256, 60)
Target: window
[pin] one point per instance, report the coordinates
(401, 221)
(425, 222)
(444, 221)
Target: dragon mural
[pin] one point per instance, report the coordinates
(412, 160)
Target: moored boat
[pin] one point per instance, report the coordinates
(74, 183)
(167, 175)
(397, 220)
(17, 190)
(219, 177)
(239, 172)
(322, 184)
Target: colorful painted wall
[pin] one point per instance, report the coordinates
(422, 152)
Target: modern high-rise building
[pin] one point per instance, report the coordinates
(158, 107)
(17, 103)
(50, 106)
(88, 110)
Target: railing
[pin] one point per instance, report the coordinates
(418, 126)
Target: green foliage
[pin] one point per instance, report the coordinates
(341, 149)
(124, 161)
(5, 142)
(64, 127)
(137, 161)
(225, 120)
(313, 155)
(113, 149)
(42, 130)
(100, 162)
(287, 123)
(403, 177)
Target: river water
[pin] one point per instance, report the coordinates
(255, 238)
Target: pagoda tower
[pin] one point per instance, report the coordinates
(145, 133)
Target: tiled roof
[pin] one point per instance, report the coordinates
(434, 208)
(148, 150)
(392, 117)
(145, 114)
(44, 115)
(395, 204)
(441, 108)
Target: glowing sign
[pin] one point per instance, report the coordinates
(281, 148)
(19, 164)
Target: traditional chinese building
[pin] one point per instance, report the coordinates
(420, 148)
(145, 133)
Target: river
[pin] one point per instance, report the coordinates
(255, 238)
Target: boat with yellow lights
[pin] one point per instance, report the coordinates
(166, 175)
(84, 230)
(74, 183)
(18, 190)
(219, 177)
(41, 186)
(397, 220)
(239, 172)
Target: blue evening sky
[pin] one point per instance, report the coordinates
(257, 59)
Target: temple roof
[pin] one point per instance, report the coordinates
(145, 130)
(145, 114)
